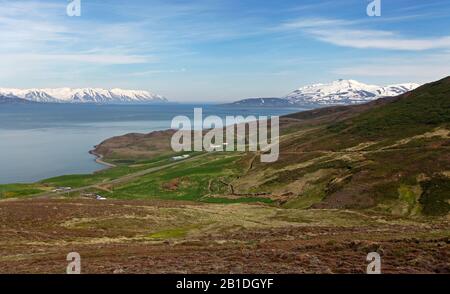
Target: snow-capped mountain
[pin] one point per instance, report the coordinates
(345, 92)
(85, 95)
(340, 92)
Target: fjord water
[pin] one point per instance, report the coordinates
(39, 141)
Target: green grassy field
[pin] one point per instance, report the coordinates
(20, 190)
(190, 181)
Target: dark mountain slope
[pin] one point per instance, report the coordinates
(13, 100)
(262, 102)
(413, 112)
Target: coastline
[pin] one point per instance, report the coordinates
(30, 172)
(99, 159)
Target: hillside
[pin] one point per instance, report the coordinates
(385, 154)
(391, 155)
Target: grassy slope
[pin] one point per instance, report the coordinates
(202, 180)
(372, 159)
(320, 165)
(413, 113)
(173, 237)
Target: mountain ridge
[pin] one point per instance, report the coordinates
(14, 100)
(340, 92)
(83, 95)
(343, 92)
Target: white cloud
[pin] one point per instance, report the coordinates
(343, 33)
(94, 58)
(413, 69)
(414, 72)
(313, 23)
(40, 32)
(377, 39)
(158, 71)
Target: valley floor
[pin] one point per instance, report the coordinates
(156, 236)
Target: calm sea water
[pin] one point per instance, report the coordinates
(39, 141)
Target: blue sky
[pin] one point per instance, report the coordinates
(221, 50)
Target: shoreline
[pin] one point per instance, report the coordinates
(99, 159)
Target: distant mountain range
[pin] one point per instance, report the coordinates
(272, 102)
(84, 95)
(340, 92)
(14, 100)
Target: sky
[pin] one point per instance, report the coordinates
(221, 50)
